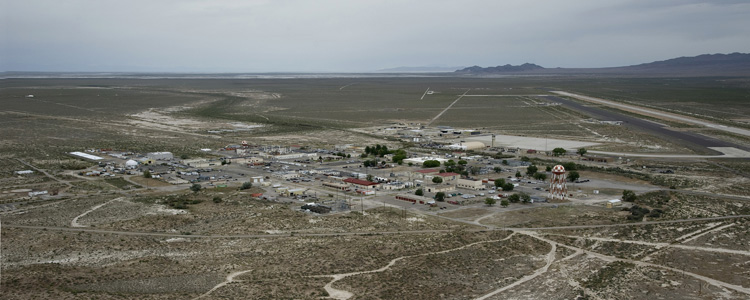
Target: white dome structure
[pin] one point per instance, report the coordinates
(131, 164)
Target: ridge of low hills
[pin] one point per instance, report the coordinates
(733, 64)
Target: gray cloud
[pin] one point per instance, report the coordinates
(335, 35)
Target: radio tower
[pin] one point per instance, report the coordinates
(557, 187)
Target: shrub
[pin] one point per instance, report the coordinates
(246, 186)
(629, 196)
(573, 176)
(217, 199)
(440, 196)
(419, 192)
(515, 198)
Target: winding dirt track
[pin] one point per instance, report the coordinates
(608, 258)
(343, 295)
(550, 259)
(230, 279)
(75, 223)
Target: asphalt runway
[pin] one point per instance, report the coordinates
(693, 141)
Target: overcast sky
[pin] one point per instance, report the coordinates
(359, 35)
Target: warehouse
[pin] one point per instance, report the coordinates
(467, 146)
(338, 186)
(415, 199)
(469, 184)
(86, 156)
(360, 184)
(160, 155)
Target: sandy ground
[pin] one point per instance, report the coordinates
(530, 142)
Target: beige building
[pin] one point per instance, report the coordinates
(469, 184)
(436, 188)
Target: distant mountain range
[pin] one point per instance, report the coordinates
(734, 64)
(425, 69)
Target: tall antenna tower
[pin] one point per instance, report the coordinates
(557, 186)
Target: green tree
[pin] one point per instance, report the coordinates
(369, 177)
(431, 164)
(419, 192)
(515, 198)
(499, 183)
(569, 166)
(548, 169)
(540, 176)
(437, 179)
(474, 170)
(531, 170)
(518, 174)
(489, 201)
(497, 169)
(628, 196)
(582, 151)
(504, 203)
(462, 162)
(440, 196)
(147, 174)
(195, 187)
(449, 163)
(505, 162)
(525, 198)
(573, 176)
(508, 186)
(246, 185)
(559, 151)
(525, 158)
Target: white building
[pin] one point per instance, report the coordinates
(131, 164)
(160, 155)
(467, 146)
(38, 193)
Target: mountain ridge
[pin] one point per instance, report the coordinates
(732, 64)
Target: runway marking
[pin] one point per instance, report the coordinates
(447, 108)
(425, 93)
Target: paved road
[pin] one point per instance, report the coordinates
(661, 114)
(691, 140)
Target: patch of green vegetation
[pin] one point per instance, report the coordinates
(180, 201)
(119, 182)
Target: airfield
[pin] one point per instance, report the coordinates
(677, 143)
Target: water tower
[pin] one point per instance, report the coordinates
(557, 187)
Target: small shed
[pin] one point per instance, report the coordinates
(614, 202)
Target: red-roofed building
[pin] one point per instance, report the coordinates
(449, 176)
(361, 184)
(423, 173)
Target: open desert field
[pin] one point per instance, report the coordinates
(131, 237)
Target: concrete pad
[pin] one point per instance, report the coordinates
(524, 142)
(731, 151)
